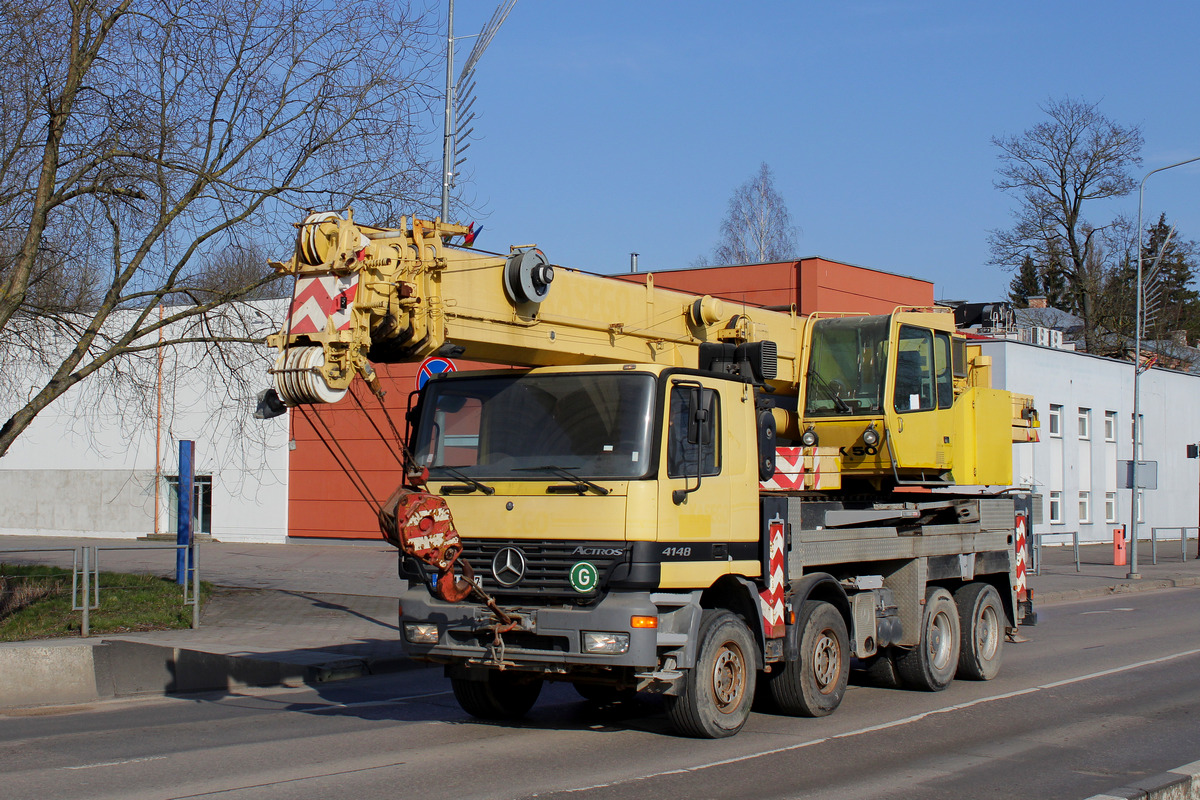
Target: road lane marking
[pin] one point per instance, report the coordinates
(117, 763)
(886, 725)
(1106, 611)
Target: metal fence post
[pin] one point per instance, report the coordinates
(1075, 544)
(85, 625)
(195, 559)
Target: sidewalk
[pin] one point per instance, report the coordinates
(301, 613)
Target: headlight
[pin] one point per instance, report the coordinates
(870, 436)
(421, 632)
(602, 642)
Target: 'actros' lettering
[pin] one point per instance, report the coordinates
(597, 551)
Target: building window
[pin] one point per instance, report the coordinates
(201, 504)
(1085, 423)
(1055, 420)
(1110, 426)
(1056, 508)
(1110, 506)
(1085, 508)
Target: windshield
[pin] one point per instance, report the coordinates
(847, 367)
(594, 425)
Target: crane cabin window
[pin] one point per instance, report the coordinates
(916, 385)
(847, 367)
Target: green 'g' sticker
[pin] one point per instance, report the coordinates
(584, 577)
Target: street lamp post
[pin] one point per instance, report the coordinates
(1137, 373)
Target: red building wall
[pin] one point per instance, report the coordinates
(322, 499)
(813, 284)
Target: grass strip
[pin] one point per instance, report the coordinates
(35, 603)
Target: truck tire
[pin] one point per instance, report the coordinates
(881, 670)
(502, 695)
(716, 694)
(982, 618)
(814, 684)
(930, 666)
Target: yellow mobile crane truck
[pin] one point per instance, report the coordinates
(675, 496)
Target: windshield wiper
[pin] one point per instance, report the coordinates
(841, 405)
(580, 484)
(472, 484)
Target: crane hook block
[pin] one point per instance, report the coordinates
(527, 277)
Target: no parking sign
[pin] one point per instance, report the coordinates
(435, 365)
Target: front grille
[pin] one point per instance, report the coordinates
(548, 566)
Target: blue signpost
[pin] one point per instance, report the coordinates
(183, 532)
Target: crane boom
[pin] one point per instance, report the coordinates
(371, 294)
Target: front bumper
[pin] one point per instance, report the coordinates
(549, 638)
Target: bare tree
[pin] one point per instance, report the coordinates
(148, 146)
(758, 227)
(1057, 170)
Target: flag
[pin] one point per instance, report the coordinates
(469, 237)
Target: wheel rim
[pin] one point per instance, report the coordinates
(940, 640)
(827, 662)
(729, 678)
(987, 633)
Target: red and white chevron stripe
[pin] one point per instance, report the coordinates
(1020, 545)
(771, 599)
(320, 299)
(790, 470)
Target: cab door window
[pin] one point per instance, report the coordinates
(944, 368)
(692, 437)
(915, 385)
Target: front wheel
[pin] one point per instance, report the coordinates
(814, 685)
(715, 698)
(930, 666)
(501, 695)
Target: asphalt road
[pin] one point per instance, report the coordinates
(1103, 692)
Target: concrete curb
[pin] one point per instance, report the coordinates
(1181, 783)
(87, 671)
(1130, 587)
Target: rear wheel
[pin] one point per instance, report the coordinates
(982, 628)
(930, 666)
(813, 685)
(716, 694)
(501, 695)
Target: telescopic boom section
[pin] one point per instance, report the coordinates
(368, 294)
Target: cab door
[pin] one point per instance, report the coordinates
(707, 496)
(921, 398)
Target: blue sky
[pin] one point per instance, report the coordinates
(606, 128)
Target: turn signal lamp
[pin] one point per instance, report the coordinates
(643, 622)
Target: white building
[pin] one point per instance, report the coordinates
(87, 465)
(1085, 404)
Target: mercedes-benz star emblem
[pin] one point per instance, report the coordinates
(509, 566)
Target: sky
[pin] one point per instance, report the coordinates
(606, 128)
